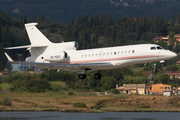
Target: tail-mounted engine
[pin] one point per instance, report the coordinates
(57, 57)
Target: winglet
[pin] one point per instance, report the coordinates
(9, 58)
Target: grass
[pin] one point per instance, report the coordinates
(61, 101)
(79, 105)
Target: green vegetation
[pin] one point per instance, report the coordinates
(115, 91)
(96, 31)
(79, 105)
(70, 93)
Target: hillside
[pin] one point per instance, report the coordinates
(62, 11)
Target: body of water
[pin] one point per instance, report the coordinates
(89, 116)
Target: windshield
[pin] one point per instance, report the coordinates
(159, 48)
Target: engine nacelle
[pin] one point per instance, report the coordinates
(67, 45)
(56, 57)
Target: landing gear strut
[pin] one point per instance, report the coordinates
(82, 76)
(154, 66)
(97, 76)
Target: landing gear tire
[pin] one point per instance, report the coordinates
(97, 76)
(82, 76)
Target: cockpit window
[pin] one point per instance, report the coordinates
(159, 48)
(153, 48)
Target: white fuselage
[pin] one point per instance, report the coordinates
(118, 56)
(65, 56)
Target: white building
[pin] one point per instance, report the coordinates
(22, 67)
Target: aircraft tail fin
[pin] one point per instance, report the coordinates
(35, 36)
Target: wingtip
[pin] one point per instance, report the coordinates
(8, 57)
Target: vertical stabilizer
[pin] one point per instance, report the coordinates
(35, 36)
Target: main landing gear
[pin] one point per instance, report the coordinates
(96, 76)
(82, 76)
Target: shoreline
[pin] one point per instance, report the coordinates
(80, 110)
(93, 104)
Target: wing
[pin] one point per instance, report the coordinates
(26, 46)
(72, 67)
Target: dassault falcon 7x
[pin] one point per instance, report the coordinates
(65, 56)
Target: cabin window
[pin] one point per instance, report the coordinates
(150, 88)
(129, 51)
(125, 52)
(107, 53)
(89, 55)
(159, 48)
(92, 55)
(96, 54)
(162, 87)
(121, 52)
(104, 54)
(133, 51)
(85, 55)
(81, 56)
(118, 52)
(111, 53)
(153, 48)
(114, 53)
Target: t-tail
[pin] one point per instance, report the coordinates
(41, 49)
(36, 38)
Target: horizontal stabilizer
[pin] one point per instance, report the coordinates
(26, 46)
(10, 59)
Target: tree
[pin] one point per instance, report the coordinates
(0, 34)
(24, 20)
(172, 21)
(172, 68)
(137, 28)
(179, 19)
(113, 34)
(163, 78)
(177, 47)
(21, 23)
(171, 34)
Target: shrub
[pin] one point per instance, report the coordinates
(80, 105)
(37, 85)
(115, 91)
(22, 89)
(5, 86)
(70, 93)
(58, 85)
(6, 101)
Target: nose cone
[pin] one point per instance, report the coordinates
(173, 54)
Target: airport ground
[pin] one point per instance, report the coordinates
(105, 103)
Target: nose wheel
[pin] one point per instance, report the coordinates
(97, 76)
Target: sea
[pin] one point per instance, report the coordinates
(90, 116)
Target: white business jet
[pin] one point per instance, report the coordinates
(65, 56)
